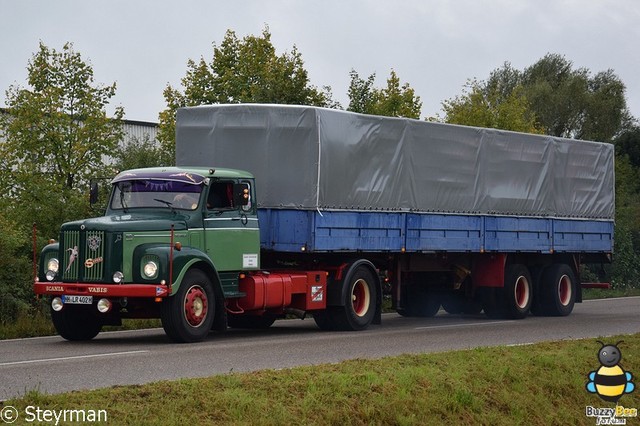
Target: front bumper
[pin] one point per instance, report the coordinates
(103, 290)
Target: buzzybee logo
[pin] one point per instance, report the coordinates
(610, 382)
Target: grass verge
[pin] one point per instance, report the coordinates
(537, 384)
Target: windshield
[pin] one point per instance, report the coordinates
(155, 193)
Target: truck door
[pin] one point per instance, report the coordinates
(232, 236)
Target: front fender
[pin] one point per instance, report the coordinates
(48, 252)
(183, 260)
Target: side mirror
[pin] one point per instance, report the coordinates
(94, 191)
(241, 194)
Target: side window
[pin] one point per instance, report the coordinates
(220, 196)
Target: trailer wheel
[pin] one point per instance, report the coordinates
(557, 290)
(454, 303)
(188, 315)
(251, 321)
(518, 291)
(76, 323)
(514, 299)
(418, 301)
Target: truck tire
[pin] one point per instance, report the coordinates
(327, 319)
(359, 299)
(456, 302)
(419, 301)
(76, 323)
(251, 321)
(518, 291)
(361, 296)
(187, 316)
(514, 299)
(557, 293)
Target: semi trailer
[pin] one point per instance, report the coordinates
(279, 210)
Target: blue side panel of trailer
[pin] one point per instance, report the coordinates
(352, 231)
(431, 232)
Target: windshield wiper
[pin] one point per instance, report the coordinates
(167, 203)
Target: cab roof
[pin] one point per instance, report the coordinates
(192, 175)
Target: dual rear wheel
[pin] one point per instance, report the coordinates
(553, 293)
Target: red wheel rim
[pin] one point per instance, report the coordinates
(522, 292)
(195, 306)
(360, 297)
(564, 290)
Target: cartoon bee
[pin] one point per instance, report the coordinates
(610, 381)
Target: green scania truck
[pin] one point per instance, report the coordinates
(333, 210)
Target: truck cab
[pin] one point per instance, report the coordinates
(167, 233)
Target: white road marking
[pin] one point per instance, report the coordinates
(462, 325)
(35, 361)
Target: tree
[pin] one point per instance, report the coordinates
(138, 153)
(490, 105)
(58, 126)
(392, 101)
(564, 101)
(242, 71)
(628, 143)
(56, 134)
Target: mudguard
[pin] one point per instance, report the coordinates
(183, 259)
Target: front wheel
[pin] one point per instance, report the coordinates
(76, 323)
(187, 316)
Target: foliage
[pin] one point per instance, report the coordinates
(55, 136)
(58, 126)
(558, 99)
(571, 103)
(137, 153)
(628, 144)
(491, 106)
(15, 271)
(244, 70)
(626, 265)
(392, 101)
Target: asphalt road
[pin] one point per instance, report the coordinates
(53, 365)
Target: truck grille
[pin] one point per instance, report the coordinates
(83, 255)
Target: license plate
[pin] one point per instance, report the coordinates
(77, 300)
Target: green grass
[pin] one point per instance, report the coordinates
(599, 293)
(539, 384)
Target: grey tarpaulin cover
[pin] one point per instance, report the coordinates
(316, 158)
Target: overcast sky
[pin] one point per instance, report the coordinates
(433, 45)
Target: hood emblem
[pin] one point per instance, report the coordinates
(72, 257)
(94, 242)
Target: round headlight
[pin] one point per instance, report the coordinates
(118, 277)
(150, 269)
(52, 265)
(104, 305)
(56, 304)
(51, 275)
